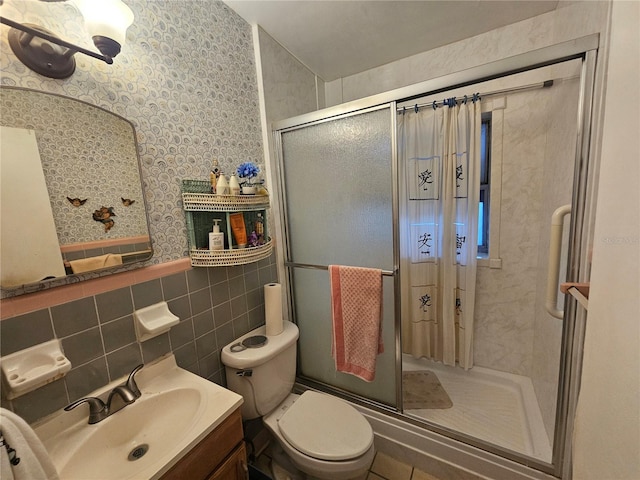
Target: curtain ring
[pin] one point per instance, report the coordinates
(465, 100)
(416, 108)
(434, 105)
(404, 110)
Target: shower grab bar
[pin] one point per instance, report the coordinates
(386, 273)
(555, 248)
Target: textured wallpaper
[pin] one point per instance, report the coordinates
(186, 79)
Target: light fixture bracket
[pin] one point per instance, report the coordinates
(45, 53)
(40, 55)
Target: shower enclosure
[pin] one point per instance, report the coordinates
(343, 201)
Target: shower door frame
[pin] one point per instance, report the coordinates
(584, 48)
(289, 265)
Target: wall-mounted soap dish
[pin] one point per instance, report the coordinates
(154, 320)
(33, 367)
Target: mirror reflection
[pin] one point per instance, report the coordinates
(71, 193)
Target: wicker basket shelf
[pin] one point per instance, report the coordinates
(204, 202)
(197, 197)
(227, 258)
(200, 209)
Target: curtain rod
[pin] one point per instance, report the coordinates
(533, 86)
(386, 273)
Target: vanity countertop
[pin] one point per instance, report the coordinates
(176, 411)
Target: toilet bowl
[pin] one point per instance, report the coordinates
(322, 436)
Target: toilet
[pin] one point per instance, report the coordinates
(318, 436)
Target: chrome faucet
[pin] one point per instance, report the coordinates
(98, 410)
(131, 385)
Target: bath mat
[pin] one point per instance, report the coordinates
(422, 389)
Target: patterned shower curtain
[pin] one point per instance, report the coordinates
(439, 164)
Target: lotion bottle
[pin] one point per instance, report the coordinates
(222, 187)
(234, 186)
(216, 238)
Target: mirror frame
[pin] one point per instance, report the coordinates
(71, 278)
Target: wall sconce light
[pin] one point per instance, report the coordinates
(45, 53)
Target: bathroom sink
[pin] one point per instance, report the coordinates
(145, 430)
(177, 409)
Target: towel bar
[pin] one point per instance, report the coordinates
(386, 273)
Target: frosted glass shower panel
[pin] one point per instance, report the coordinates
(338, 184)
(313, 313)
(338, 187)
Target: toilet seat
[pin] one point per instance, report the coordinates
(326, 428)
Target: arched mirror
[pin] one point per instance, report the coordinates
(71, 193)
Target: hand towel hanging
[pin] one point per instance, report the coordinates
(356, 306)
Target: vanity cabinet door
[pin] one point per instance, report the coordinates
(234, 468)
(212, 453)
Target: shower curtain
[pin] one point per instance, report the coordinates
(439, 160)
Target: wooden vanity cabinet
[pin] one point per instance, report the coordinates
(221, 455)
(234, 468)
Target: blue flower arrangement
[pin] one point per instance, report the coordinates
(248, 170)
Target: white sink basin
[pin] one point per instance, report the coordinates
(177, 409)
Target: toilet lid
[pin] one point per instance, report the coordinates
(326, 428)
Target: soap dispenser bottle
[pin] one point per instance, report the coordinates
(216, 237)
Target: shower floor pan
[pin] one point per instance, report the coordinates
(497, 407)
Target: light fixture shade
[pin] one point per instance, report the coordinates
(106, 18)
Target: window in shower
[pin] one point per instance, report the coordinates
(483, 207)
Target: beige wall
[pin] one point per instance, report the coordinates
(289, 86)
(607, 433)
(572, 21)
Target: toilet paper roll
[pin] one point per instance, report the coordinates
(273, 308)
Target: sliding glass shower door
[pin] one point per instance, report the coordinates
(338, 179)
(342, 190)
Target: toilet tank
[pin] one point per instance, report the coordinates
(264, 376)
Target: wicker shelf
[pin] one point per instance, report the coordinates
(205, 202)
(200, 207)
(226, 258)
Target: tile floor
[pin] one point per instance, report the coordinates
(384, 467)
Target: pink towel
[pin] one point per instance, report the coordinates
(356, 306)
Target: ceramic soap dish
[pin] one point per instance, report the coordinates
(33, 367)
(154, 320)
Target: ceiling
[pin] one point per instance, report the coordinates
(339, 38)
